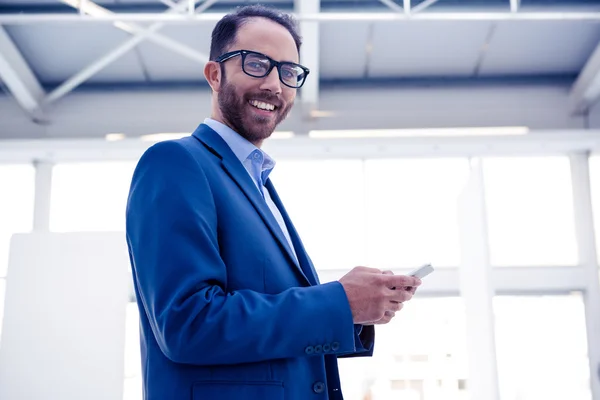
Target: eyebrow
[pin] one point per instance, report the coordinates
(256, 51)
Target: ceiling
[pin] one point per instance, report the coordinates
(438, 48)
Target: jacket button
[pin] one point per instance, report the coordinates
(309, 350)
(318, 348)
(335, 346)
(326, 348)
(319, 387)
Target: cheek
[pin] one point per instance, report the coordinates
(289, 96)
(240, 82)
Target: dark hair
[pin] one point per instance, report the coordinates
(224, 33)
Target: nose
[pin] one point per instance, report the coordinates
(271, 82)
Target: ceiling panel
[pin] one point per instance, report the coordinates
(426, 48)
(56, 52)
(540, 47)
(34, 3)
(343, 49)
(165, 65)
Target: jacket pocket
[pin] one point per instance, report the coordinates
(260, 390)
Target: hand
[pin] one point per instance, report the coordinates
(370, 293)
(389, 315)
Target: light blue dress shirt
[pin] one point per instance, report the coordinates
(258, 164)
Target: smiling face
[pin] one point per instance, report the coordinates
(253, 107)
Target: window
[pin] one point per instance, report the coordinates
(595, 188)
(412, 211)
(16, 213)
(530, 211)
(90, 196)
(132, 389)
(542, 339)
(416, 363)
(2, 293)
(16, 206)
(325, 200)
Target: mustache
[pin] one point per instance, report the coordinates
(266, 97)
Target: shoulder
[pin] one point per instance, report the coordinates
(184, 153)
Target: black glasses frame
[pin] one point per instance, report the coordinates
(272, 62)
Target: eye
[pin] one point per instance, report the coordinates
(254, 64)
(289, 73)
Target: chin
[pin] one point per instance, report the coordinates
(259, 131)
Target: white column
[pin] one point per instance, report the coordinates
(43, 187)
(586, 244)
(476, 288)
(309, 55)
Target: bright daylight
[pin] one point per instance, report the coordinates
(300, 199)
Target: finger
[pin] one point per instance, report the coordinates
(400, 295)
(411, 289)
(394, 306)
(398, 281)
(387, 272)
(386, 318)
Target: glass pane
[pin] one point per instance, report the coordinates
(530, 211)
(542, 340)
(325, 200)
(16, 206)
(412, 211)
(416, 363)
(595, 188)
(2, 294)
(90, 196)
(133, 372)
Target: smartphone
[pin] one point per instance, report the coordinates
(422, 271)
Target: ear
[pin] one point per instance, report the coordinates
(212, 73)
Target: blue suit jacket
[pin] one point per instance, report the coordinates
(225, 312)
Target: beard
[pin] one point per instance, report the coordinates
(237, 114)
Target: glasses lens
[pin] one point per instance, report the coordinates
(292, 75)
(256, 65)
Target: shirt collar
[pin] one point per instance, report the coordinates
(242, 148)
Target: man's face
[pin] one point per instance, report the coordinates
(241, 96)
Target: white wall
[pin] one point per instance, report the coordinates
(96, 113)
(63, 333)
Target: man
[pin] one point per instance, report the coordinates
(230, 304)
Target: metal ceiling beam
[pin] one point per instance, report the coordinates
(309, 55)
(169, 3)
(18, 19)
(393, 6)
(514, 5)
(19, 78)
(421, 6)
(91, 8)
(586, 89)
(115, 54)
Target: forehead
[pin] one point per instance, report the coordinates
(267, 37)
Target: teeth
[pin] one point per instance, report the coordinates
(262, 105)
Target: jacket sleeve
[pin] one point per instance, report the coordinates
(364, 339)
(181, 279)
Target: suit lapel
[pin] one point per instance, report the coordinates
(305, 262)
(234, 168)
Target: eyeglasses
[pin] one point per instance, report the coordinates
(259, 65)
